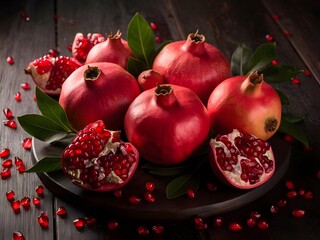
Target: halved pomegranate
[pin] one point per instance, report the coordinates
(241, 160)
(98, 160)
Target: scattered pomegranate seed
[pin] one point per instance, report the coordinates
(5, 153)
(149, 197)
(308, 195)
(79, 223)
(142, 230)
(18, 161)
(53, 53)
(282, 203)
(292, 194)
(113, 224)
(289, 185)
(287, 33)
(255, 215)
(27, 143)
(17, 96)
(15, 205)
(25, 86)
(269, 38)
(8, 113)
(40, 190)
(288, 138)
(301, 191)
(298, 213)
(157, 229)
(263, 224)
(7, 163)
(158, 39)
(134, 199)
(191, 193)
(275, 62)
(275, 17)
(36, 201)
(10, 60)
(18, 236)
(295, 81)
(90, 221)
(211, 186)
(25, 16)
(153, 26)
(251, 222)
(25, 202)
(69, 47)
(235, 227)
(10, 123)
(150, 186)
(6, 173)
(274, 209)
(10, 195)
(62, 211)
(218, 222)
(21, 168)
(307, 73)
(117, 193)
(43, 220)
(200, 224)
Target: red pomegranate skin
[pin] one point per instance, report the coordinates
(167, 129)
(107, 98)
(237, 104)
(194, 64)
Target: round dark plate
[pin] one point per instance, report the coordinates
(205, 204)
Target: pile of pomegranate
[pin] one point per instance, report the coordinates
(166, 113)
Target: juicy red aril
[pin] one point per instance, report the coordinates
(298, 213)
(113, 224)
(117, 193)
(288, 138)
(211, 186)
(53, 53)
(308, 195)
(200, 224)
(251, 222)
(25, 202)
(275, 17)
(134, 199)
(18, 161)
(25, 86)
(286, 33)
(7, 163)
(79, 223)
(191, 193)
(6, 173)
(21, 168)
(150, 186)
(10, 123)
(301, 191)
(289, 185)
(307, 73)
(69, 47)
(36, 201)
(157, 229)
(15, 205)
(25, 16)
(40, 190)
(218, 222)
(274, 209)
(10, 60)
(295, 81)
(269, 38)
(263, 224)
(255, 215)
(27, 143)
(158, 39)
(292, 194)
(90, 221)
(149, 197)
(274, 62)
(5, 153)
(18, 236)
(43, 220)
(61, 211)
(10, 196)
(142, 230)
(17, 96)
(153, 26)
(8, 113)
(282, 203)
(235, 227)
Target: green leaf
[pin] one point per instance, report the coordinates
(135, 67)
(283, 98)
(293, 130)
(279, 73)
(42, 127)
(51, 109)
(239, 59)
(181, 184)
(292, 118)
(141, 40)
(261, 58)
(47, 164)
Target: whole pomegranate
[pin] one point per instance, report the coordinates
(246, 103)
(98, 160)
(149, 79)
(114, 50)
(167, 124)
(98, 91)
(50, 72)
(194, 64)
(241, 160)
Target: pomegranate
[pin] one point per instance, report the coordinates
(82, 45)
(98, 160)
(99, 91)
(167, 124)
(246, 103)
(241, 160)
(49, 72)
(149, 79)
(194, 64)
(114, 50)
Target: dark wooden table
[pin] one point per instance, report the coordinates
(225, 23)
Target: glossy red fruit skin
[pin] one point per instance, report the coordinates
(237, 103)
(192, 63)
(114, 50)
(106, 98)
(167, 128)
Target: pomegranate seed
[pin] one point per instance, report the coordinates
(200, 224)
(263, 224)
(62, 211)
(153, 26)
(15, 205)
(235, 227)
(40, 190)
(251, 222)
(307, 73)
(21, 168)
(275, 62)
(18, 236)
(25, 86)
(18, 161)
(255, 215)
(308, 195)
(7, 163)
(90, 221)
(157, 229)
(292, 194)
(295, 81)
(117, 193)
(142, 230)
(25, 202)
(53, 53)
(211, 186)
(27, 143)
(298, 213)
(17, 96)
(289, 185)
(69, 47)
(158, 39)
(113, 224)
(10, 196)
(274, 209)
(134, 199)
(8, 113)
(6, 173)
(25, 16)
(191, 193)
(79, 223)
(5, 153)
(301, 192)
(149, 197)
(10, 123)
(287, 33)
(282, 203)
(150, 186)
(218, 222)
(36, 201)
(43, 220)
(10, 60)
(269, 38)
(288, 138)
(275, 17)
